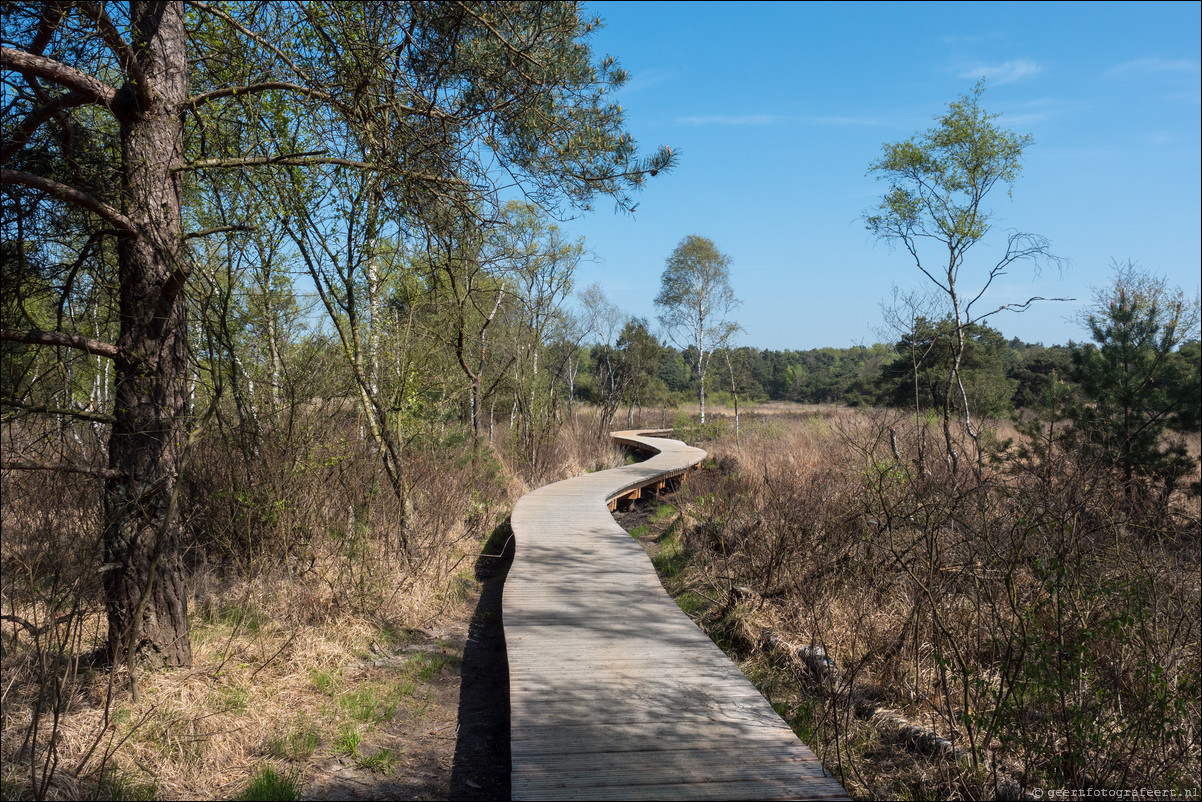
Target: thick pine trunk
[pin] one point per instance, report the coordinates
(145, 595)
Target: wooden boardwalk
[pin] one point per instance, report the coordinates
(614, 692)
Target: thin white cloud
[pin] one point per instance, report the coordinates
(1028, 118)
(772, 119)
(1148, 66)
(849, 121)
(645, 79)
(721, 119)
(1038, 110)
(1005, 73)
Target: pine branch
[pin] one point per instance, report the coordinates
(124, 53)
(61, 467)
(308, 160)
(70, 195)
(506, 43)
(219, 230)
(95, 90)
(249, 34)
(35, 118)
(266, 86)
(95, 417)
(62, 338)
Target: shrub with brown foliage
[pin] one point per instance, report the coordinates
(1024, 616)
(296, 570)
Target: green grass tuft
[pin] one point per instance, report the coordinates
(116, 784)
(663, 512)
(298, 745)
(671, 559)
(349, 739)
(382, 761)
(268, 785)
(324, 681)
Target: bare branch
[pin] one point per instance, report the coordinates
(1019, 246)
(71, 195)
(47, 25)
(179, 277)
(61, 467)
(79, 260)
(82, 414)
(35, 631)
(309, 160)
(96, 91)
(121, 49)
(1016, 307)
(219, 230)
(35, 119)
(265, 86)
(86, 344)
(249, 34)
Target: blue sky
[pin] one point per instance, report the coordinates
(778, 109)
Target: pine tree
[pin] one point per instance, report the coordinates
(1137, 385)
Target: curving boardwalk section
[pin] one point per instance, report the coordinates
(614, 692)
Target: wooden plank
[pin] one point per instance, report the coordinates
(661, 768)
(749, 789)
(575, 738)
(614, 692)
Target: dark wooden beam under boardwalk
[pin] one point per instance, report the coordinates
(614, 692)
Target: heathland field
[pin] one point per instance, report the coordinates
(932, 634)
(927, 633)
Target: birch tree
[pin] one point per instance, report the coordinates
(936, 208)
(696, 301)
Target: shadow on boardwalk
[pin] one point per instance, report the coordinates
(481, 767)
(614, 692)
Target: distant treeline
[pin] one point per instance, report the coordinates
(1000, 375)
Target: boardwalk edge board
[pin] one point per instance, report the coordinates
(614, 692)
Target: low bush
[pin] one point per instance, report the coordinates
(1022, 620)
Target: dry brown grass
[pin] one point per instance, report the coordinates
(310, 629)
(262, 683)
(1029, 616)
(281, 652)
(567, 449)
